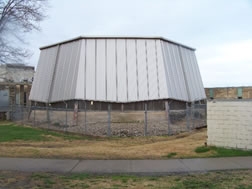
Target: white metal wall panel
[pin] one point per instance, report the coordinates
(80, 88)
(117, 70)
(57, 85)
(201, 86)
(152, 69)
(101, 70)
(180, 79)
(163, 91)
(73, 66)
(132, 70)
(111, 70)
(66, 66)
(175, 76)
(90, 69)
(43, 77)
(142, 70)
(121, 70)
(192, 75)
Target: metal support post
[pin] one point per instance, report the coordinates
(109, 120)
(205, 105)
(76, 110)
(34, 117)
(48, 115)
(192, 115)
(167, 109)
(187, 116)
(66, 119)
(145, 119)
(85, 117)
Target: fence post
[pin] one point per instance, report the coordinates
(187, 116)
(192, 115)
(66, 119)
(47, 115)
(109, 120)
(85, 117)
(76, 109)
(34, 116)
(167, 110)
(205, 105)
(145, 119)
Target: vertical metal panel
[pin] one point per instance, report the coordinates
(161, 71)
(189, 74)
(100, 70)
(201, 86)
(60, 72)
(90, 72)
(174, 71)
(43, 76)
(48, 73)
(70, 89)
(118, 70)
(142, 72)
(121, 70)
(111, 70)
(64, 84)
(132, 70)
(192, 75)
(80, 88)
(179, 72)
(152, 69)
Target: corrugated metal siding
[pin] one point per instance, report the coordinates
(117, 70)
(43, 76)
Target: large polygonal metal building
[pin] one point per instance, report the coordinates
(117, 70)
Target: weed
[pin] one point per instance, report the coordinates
(202, 149)
(223, 152)
(172, 154)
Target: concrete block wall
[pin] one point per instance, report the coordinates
(229, 123)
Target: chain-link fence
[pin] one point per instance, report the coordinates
(111, 122)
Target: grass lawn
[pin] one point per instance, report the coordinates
(24, 141)
(215, 180)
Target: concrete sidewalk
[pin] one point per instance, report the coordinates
(136, 167)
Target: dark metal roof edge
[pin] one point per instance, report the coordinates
(116, 37)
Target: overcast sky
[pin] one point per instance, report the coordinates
(220, 30)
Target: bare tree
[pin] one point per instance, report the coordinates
(18, 17)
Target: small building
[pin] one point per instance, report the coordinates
(15, 84)
(126, 71)
(243, 92)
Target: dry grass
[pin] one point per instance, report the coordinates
(109, 148)
(227, 179)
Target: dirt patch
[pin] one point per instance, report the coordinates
(154, 147)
